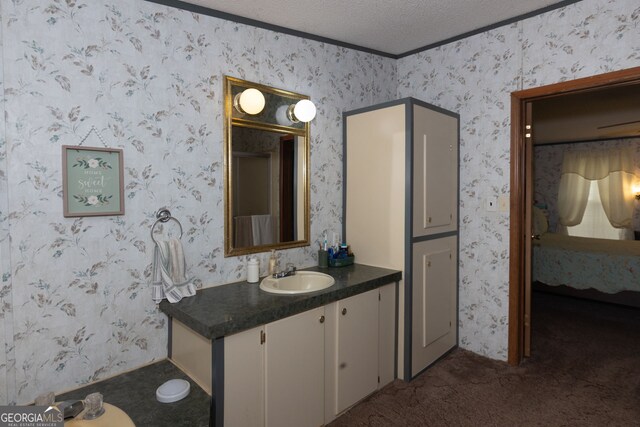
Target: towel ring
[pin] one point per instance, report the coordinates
(164, 215)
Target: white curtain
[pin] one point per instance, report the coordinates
(617, 199)
(614, 171)
(572, 198)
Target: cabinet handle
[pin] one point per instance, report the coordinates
(344, 311)
(321, 319)
(429, 220)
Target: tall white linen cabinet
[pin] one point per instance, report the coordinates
(401, 211)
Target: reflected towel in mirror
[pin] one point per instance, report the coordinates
(262, 229)
(243, 234)
(252, 230)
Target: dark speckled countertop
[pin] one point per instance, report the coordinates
(135, 393)
(223, 310)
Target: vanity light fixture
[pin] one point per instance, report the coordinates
(249, 101)
(302, 111)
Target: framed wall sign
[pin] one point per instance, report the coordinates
(92, 181)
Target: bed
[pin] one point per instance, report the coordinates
(585, 264)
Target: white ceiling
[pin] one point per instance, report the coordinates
(390, 26)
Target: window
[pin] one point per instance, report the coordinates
(594, 222)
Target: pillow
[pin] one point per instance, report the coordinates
(540, 222)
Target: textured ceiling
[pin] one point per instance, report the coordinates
(391, 26)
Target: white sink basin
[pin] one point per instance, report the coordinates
(300, 283)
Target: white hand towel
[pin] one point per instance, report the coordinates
(169, 272)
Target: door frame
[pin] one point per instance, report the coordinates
(519, 230)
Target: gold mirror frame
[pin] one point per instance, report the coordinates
(233, 119)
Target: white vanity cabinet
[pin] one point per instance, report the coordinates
(244, 378)
(302, 370)
(294, 370)
(359, 348)
(355, 357)
(272, 372)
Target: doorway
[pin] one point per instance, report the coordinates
(521, 189)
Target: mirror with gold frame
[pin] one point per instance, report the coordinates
(266, 173)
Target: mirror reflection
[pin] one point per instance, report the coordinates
(267, 200)
(266, 169)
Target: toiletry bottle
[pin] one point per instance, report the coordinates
(253, 270)
(323, 258)
(343, 251)
(273, 263)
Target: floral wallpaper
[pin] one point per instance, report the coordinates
(548, 168)
(474, 77)
(75, 291)
(7, 360)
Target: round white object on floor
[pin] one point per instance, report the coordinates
(172, 391)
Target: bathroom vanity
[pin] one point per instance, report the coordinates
(288, 360)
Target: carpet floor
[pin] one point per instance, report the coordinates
(584, 371)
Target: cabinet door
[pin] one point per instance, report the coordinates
(434, 301)
(435, 172)
(357, 348)
(244, 379)
(294, 370)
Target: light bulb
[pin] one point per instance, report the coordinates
(250, 101)
(302, 111)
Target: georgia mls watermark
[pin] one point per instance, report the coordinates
(31, 416)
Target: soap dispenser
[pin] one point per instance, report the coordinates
(273, 263)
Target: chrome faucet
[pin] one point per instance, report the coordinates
(290, 271)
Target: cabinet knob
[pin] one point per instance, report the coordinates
(344, 311)
(429, 220)
(321, 320)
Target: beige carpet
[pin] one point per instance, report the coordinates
(584, 371)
